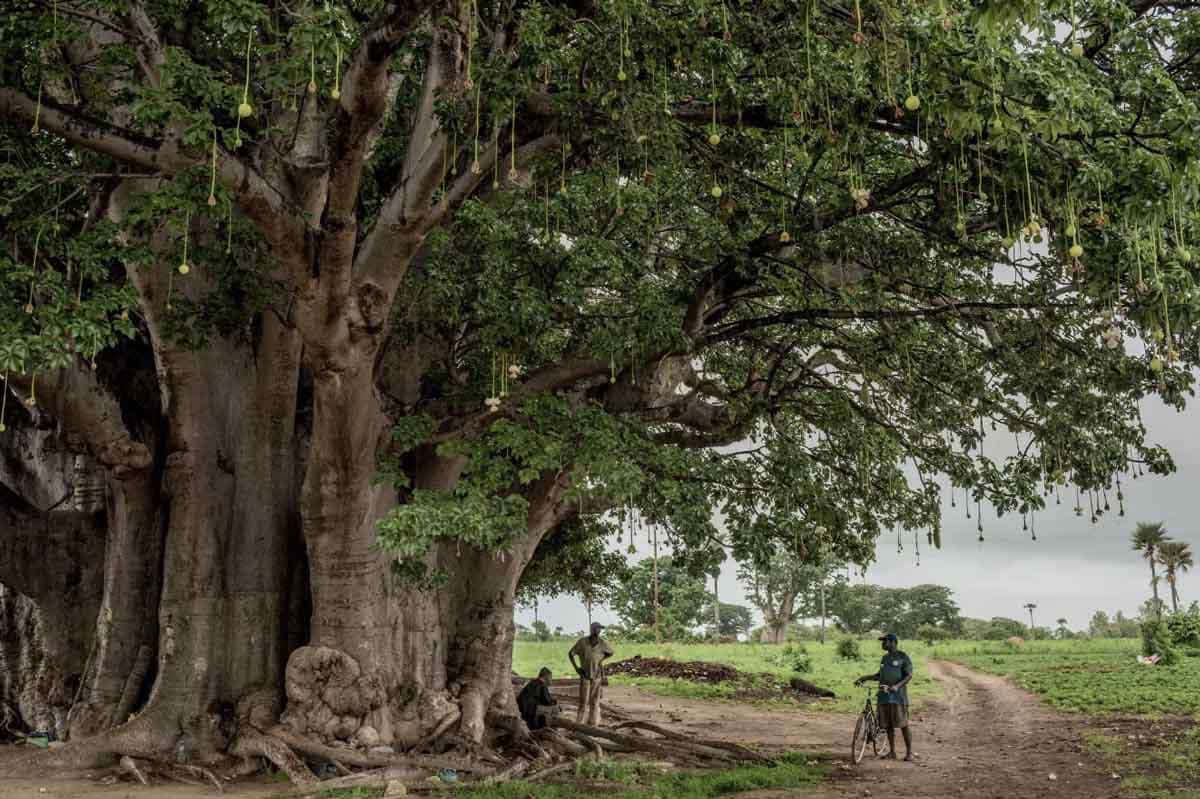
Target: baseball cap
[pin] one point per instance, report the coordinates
(597, 626)
(888, 637)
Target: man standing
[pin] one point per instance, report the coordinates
(591, 651)
(895, 673)
(534, 696)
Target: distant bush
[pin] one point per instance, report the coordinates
(848, 649)
(1184, 628)
(931, 634)
(1156, 640)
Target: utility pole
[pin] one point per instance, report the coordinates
(716, 607)
(657, 634)
(820, 531)
(1029, 606)
(822, 605)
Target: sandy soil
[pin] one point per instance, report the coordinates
(985, 739)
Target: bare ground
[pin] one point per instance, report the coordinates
(985, 739)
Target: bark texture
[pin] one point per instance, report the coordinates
(50, 587)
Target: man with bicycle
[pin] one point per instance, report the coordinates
(895, 673)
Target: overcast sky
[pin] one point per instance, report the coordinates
(1073, 569)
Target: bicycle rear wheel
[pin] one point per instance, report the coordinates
(858, 744)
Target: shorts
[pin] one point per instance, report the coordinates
(892, 716)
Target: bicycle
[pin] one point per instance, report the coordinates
(866, 731)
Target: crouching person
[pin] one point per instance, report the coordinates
(533, 698)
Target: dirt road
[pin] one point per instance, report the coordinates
(985, 739)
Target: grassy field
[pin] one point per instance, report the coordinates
(1096, 677)
(828, 670)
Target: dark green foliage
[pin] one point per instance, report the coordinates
(1156, 640)
(736, 620)
(848, 649)
(862, 608)
(682, 599)
(931, 634)
(796, 657)
(1184, 627)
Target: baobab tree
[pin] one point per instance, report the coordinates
(380, 297)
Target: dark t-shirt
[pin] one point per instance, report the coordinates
(894, 667)
(533, 695)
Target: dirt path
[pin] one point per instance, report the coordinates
(984, 739)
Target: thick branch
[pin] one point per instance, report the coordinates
(261, 202)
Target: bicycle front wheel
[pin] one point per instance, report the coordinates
(858, 744)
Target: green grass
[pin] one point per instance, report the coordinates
(828, 670)
(634, 780)
(1155, 760)
(1097, 677)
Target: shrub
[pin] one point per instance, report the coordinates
(1156, 640)
(1184, 628)
(796, 657)
(541, 630)
(847, 649)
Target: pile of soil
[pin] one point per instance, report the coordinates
(748, 686)
(693, 671)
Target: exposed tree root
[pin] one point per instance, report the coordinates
(442, 727)
(253, 743)
(735, 749)
(517, 769)
(672, 748)
(357, 759)
(130, 767)
(376, 778)
(172, 771)
(558, 743)
(144, 769)
(550, 772)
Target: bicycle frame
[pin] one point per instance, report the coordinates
(869, 712)
(868, 728)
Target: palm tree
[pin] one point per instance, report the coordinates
(1147, 538)
(1176, 558)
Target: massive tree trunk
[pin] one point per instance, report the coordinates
(201, 518)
